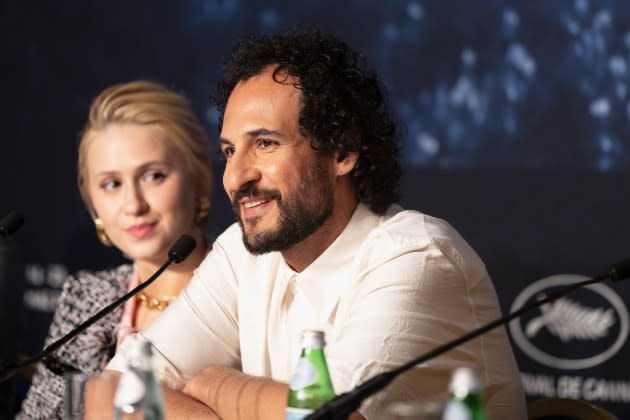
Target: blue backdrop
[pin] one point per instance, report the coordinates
(515, 120)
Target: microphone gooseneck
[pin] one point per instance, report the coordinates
(178, 253)
(10, 224)
(340, 407)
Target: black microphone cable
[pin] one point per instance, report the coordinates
(178, 253)
(340, 407)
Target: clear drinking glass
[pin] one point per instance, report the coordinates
(74, 390)
(414, 410)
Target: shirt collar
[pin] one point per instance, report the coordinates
(324, 281)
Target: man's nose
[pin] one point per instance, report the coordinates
(240, 171)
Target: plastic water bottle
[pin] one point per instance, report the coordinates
(310, 385)
(138, 395)
(466, 396)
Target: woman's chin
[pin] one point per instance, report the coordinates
(149, 253)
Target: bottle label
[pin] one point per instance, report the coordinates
(456, 410)
(131, 389)
(297, 413)
(304, 375)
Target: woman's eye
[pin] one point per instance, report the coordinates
(110, 185)
(154, 176)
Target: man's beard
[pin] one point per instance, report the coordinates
(301, 212)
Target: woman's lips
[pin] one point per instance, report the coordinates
(141, 230)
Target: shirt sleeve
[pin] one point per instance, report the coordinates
(199, 328)
(402, 308)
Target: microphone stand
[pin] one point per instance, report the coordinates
(340, 407)
(182, 248)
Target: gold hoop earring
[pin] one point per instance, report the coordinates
(100, 232)
(203, 210)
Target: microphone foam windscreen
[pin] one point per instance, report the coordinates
(182, 248)
(621, 270)
(11, 222)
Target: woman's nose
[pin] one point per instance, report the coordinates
(135, 202)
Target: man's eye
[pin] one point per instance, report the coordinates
(265, 143)
(228, 151)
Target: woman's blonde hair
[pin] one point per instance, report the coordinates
(148, 103)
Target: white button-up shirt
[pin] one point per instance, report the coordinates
(389, 288)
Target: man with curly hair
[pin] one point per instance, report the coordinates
(313, 176)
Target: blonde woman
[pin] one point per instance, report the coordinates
(145, 177)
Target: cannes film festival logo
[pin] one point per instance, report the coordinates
(578, 331)
(570, 320)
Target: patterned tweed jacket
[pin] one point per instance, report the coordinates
(82, 296)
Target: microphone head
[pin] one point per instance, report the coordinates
(182, 248)
(620, 271)
(10, 223)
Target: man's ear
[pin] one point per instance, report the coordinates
(345, 165)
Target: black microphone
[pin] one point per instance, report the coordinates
(340, 407)
(181, 250)
(10, 223)
(178, 253)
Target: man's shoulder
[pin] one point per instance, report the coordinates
(404, 230)
(412, 227)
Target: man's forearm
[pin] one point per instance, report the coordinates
(181, 406)
(100, 394)
(217, 392)
(234, 395)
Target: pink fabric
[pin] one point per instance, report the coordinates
(126, 326)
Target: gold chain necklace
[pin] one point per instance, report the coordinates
(155, 303)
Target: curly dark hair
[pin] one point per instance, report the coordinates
(343, 105)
